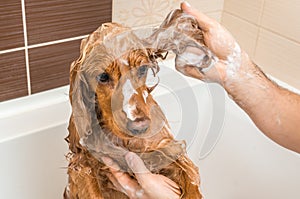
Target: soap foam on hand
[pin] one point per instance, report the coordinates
(181, 34)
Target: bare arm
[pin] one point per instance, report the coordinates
(274, 110)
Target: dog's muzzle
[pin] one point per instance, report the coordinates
(138, 126)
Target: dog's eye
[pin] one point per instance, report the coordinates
(103, 78)
(142, 71)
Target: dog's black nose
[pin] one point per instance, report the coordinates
(138, 126)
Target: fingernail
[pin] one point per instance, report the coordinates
(187, 4)
(129, 159)
(107, 161)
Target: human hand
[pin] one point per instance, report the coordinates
(227, 52)
(147, 185)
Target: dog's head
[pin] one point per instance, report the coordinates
(108, 85)
(113, 109)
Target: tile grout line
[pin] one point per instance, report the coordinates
(26, 47)
(239, 17)
(57, 41)
(44, 44)
(262, 27)
(11, 50)
(259, 27)
(222, 12)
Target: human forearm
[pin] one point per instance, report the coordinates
(274, 110)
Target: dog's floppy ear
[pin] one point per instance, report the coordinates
(80, 119)
(82, 94)
(82, 98)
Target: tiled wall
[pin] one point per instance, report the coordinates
(269, 30)
(151, 12)
(40, 38)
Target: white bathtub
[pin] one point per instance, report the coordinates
(236, 160)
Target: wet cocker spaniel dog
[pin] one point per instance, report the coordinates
(113, 112)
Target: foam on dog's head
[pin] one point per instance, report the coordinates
(107, 117)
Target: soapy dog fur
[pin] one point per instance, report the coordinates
(113, 112)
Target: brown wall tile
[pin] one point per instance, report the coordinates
(13, 81)
(11, 27)
(49, 65)
(50, 20)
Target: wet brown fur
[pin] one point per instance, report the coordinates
(87, 174)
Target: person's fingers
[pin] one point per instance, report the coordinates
(204, 21)
(173, 186)
(135, 163)
(114, 169)
(115, 182)
(110, 163)
(190, 71)
(138, 167)
(122, 181)
(154, 185)
(126, 185)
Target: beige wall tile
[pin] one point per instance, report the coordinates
(244, 32)
(279, 57)
(282, 17)
(215, 15)
(246, 9)
(136, 13)
(207, 5)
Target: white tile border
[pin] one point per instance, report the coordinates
(26, 46)
(43, 44)
(57, 41)
(11, 50)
